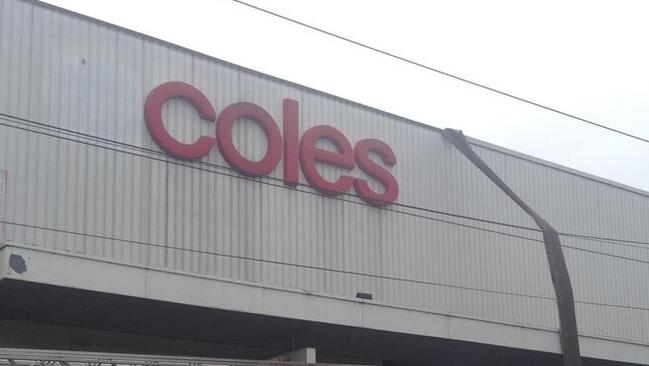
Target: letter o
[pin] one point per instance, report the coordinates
(224, 125)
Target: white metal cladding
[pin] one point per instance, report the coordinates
(3, 194)
(145, 208)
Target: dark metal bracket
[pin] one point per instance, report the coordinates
(558, 270)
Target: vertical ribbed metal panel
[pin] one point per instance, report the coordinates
(3, 195)
(142, 207)
(580, 205)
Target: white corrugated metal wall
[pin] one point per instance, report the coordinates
(143, 207)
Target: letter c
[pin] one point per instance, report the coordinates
(153, 117)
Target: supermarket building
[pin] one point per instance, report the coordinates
(155, 200)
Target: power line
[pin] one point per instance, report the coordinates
(310, 267)
(611, 305)
(282, 186)
(438, 71)
(618, 242)
(47, 127)
(241, 177)
(605, 254)
(641, 244)
(41, 125)
(58, 129)
(175, 162)
(268, 261)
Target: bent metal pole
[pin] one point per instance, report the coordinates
(558, 270)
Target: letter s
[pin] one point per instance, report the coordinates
(362, 152)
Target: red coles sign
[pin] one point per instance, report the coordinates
(295, 150)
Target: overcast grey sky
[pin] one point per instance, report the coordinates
(589, 58)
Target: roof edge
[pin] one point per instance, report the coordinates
(555, 166)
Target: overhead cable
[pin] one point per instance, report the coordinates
(441, 72)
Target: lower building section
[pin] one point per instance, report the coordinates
(43, 316)
(32, 357)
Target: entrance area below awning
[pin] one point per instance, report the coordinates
(39, 316)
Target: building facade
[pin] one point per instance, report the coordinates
(145, 171)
